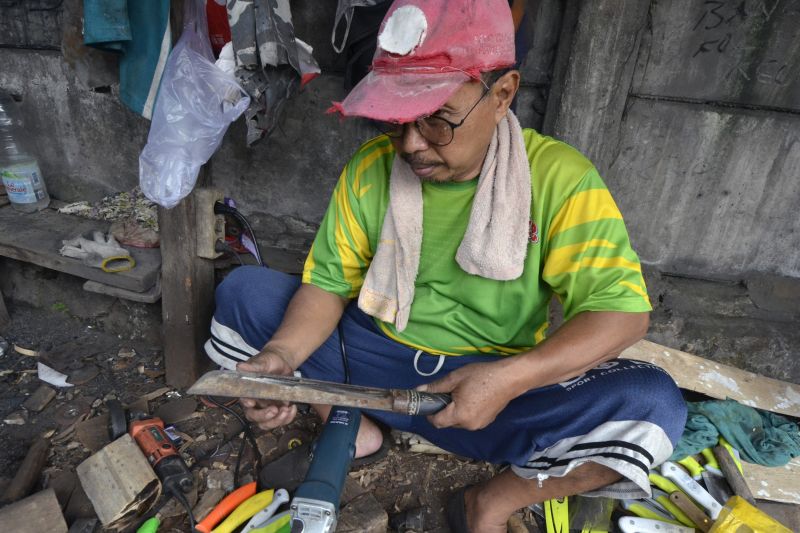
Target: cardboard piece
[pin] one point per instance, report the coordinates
(119, 482)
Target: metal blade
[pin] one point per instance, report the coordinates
(290, 389)
(717, 487)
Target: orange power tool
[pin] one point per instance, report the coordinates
(149, 434)
(156, 445)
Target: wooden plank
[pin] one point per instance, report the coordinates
(780, 484)
(187, 292)
(34, 514)
(36, 238)
(718, 380)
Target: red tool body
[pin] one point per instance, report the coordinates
(156, 445)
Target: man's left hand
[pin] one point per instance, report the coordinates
(479, 390)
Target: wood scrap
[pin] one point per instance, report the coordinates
(28, 473)
(363, 515)
(718, 380)
(34, 514)
(780, 484)
(40, 398)
(25, 351)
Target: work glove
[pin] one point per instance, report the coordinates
(100, 251)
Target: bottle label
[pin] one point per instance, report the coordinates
(23, 183)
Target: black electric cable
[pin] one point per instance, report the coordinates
(343, 351)
(221, 208)
(178, 495)
(248, 435)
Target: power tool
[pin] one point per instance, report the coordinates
(148, 433)
(315, 506)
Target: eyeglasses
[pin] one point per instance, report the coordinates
(434, 129)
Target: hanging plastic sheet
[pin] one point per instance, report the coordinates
(195, 105)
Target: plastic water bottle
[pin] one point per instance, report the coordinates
(20, 171)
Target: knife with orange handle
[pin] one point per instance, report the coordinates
(226, 507)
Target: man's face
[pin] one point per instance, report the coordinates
(461, 159)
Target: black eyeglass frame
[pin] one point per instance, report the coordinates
(453, 125)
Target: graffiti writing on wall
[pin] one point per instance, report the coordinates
(722, 29)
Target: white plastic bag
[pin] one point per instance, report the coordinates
(196, 103)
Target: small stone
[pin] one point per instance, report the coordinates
(97, 403)
(15, 419)
(220, 479)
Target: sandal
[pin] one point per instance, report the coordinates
(456, 511)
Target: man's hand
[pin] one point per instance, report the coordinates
(267, 414)
(480, 391)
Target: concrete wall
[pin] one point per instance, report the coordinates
(689, 109)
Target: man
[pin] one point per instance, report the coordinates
(453, 230)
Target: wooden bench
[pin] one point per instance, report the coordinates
(36, 238)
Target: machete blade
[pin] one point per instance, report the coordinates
(290, 389)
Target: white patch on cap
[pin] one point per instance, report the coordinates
(404, 31)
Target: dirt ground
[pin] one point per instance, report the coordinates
(722, 321)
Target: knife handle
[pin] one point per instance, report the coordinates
(735, 479)
(412, 402)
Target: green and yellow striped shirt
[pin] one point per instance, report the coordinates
(578, 249)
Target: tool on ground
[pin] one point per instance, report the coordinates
(682, 501)
(693, 466)
(293, 389)
(646, 509)
(556, 515)
(663, 498)
(713, 478)
(226, 507)
(260, 519)
(244, 511)
(315, 505)
(149, 434)
(635, 524)
(691, 487)
(732, 474)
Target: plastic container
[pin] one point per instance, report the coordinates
(19, 170)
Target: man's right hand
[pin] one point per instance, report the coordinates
(267, 414)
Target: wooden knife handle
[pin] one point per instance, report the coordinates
(735, 478)
(695, 514)
(412, 402)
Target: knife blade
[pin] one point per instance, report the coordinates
(692, 488)
(631, 524)
(295, 389)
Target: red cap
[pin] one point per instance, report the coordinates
(426, 50)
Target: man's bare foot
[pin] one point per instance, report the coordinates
(369, 438)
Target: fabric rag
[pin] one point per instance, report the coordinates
(760, 436)
(140, 32)
(270, 62)
(494, 244)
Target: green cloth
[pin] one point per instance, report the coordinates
(761, 437)
(578, 249)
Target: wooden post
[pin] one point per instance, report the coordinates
(187, 285)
